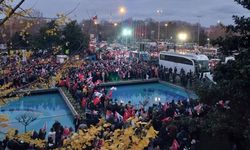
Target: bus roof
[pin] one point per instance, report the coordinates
(188, 55)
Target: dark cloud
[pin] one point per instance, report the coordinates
(187, 10)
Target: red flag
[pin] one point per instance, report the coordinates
(166, 106)
(167, 119)
(198, 108)
(67, 82)
(126, 116)
(84, 101)
(62, 83)
(75, 86)
(108, 114)
(175, 145)
(81, 77)
(222, 103)
(98, 82)
(96, 101)
(95, 17)
(110, 94)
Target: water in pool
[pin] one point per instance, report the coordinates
(152, 92)
(48, 108)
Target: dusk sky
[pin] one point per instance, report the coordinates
(210, 11)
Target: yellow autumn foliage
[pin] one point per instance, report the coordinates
(122, 139)
(26, 137)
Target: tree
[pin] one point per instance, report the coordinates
(18, 41)
(26, 118)
(49, 36)
(73, 37)
(233, 84)
(8, 10)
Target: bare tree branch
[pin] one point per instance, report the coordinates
(11, 12)
(26, 118)
(17, 13)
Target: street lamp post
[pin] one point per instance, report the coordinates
(126, 32)
(166, 25)
(122, 12)
(159, 12)
(198, 30)
(208, 42)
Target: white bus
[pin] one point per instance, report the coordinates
(189, 62)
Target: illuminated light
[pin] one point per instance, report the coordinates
(159, 11)
(122, 10)
(126, 32)
(115, 24)
(182, 36)
(166, 25)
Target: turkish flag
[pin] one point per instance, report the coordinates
(84, 101)
(67, 82)
(96, 101)
(175, 145)
(110, 94)
(81, 77)
(167, 119)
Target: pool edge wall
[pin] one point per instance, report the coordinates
(131, 82)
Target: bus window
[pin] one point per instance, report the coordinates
(203, 65)
(196, 66)
(180, 60)
(176, 59)
(162, 57)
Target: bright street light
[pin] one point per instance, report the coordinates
(166, 25)
(126, 32)
(159, 11)
(208, 42)
(115, 24)
(182, 36)
(122, 10)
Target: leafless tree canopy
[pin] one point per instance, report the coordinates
(26, 118)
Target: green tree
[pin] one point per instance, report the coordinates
(20, 42)
(233, 84)
(73, 37)
(48, 37)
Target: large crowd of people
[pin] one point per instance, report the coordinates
(22, 72)
(96, 101)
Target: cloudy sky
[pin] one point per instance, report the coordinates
(207, 11)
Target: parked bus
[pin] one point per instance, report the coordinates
(189, 62)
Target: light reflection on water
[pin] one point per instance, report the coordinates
(153, 92)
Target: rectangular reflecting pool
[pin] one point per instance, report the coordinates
(152, 92)
(48, 107)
